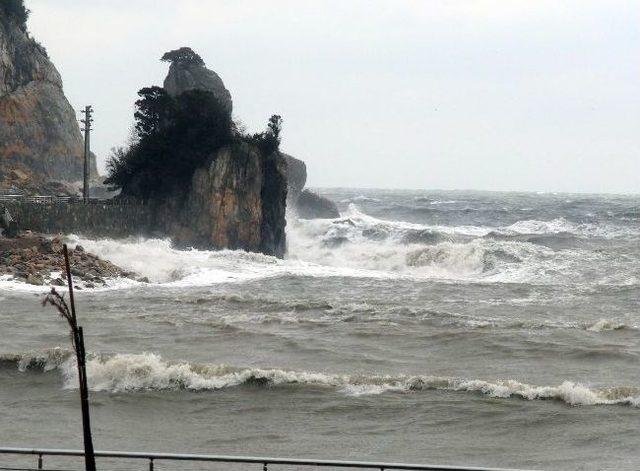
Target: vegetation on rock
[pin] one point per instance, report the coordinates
(173, 136)
(183, 56)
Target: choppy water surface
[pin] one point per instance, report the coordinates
(494, 329)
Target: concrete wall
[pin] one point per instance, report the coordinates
(92, 219)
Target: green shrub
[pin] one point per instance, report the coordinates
(182, 56)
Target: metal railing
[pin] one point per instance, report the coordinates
(61, 199)
(264, 462)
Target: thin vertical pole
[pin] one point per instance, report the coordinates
(78, 343)
(87, 150)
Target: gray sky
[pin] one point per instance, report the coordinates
(537, 95)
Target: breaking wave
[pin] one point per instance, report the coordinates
(467, 253)
(147, 371)
(360, 245)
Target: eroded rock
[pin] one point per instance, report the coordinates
(40, 139)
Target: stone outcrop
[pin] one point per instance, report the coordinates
(296, 177)
(305, 203)
(310, 205)
(191, 74)
(40, 139)
(236, 200)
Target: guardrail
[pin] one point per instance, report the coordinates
(264, 462)
(60, 199)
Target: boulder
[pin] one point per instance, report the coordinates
(188, 72)
(310, 205)
(34, 279)
(296, 177)
(305, 203)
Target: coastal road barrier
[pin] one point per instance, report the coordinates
(46, 199)
(262, 463)
(93, 217)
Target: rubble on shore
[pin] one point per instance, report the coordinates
(39, 260)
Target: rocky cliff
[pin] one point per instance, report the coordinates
(305, 203)
(235, 201)
(40, 139)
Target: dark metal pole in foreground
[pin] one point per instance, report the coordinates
(78, 343)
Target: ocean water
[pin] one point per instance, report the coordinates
(471, 328)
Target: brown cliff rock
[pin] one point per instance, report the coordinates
(236, 201)
(39, 133)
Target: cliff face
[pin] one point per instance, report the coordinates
(236, 201)
(40, 138)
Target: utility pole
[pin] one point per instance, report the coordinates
(88, 110)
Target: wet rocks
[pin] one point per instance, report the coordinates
(305, 203)
(39, 261)
(310, 205)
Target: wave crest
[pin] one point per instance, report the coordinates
(148, 371)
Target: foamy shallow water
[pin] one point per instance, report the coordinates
(418, 326)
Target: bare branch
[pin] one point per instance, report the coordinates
(57, 300)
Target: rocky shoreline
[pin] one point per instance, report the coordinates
(39, 260)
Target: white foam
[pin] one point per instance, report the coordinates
(562, 225)
(347, 242)
(606, 324)
(359, 245)
(148, 371)
(532, 226)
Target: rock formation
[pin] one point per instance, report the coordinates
(296, 177)
(311, 205)
(236, 201)
(188, 72)
(305, 203)
(40, 139)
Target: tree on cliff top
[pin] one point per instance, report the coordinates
(173, 137)
(14, 10)
(182, 56)
(153, 110)
(268, 141)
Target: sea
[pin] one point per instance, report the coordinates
(448, 327)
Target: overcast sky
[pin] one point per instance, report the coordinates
(539, 95)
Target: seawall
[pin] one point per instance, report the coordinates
(95, 218)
